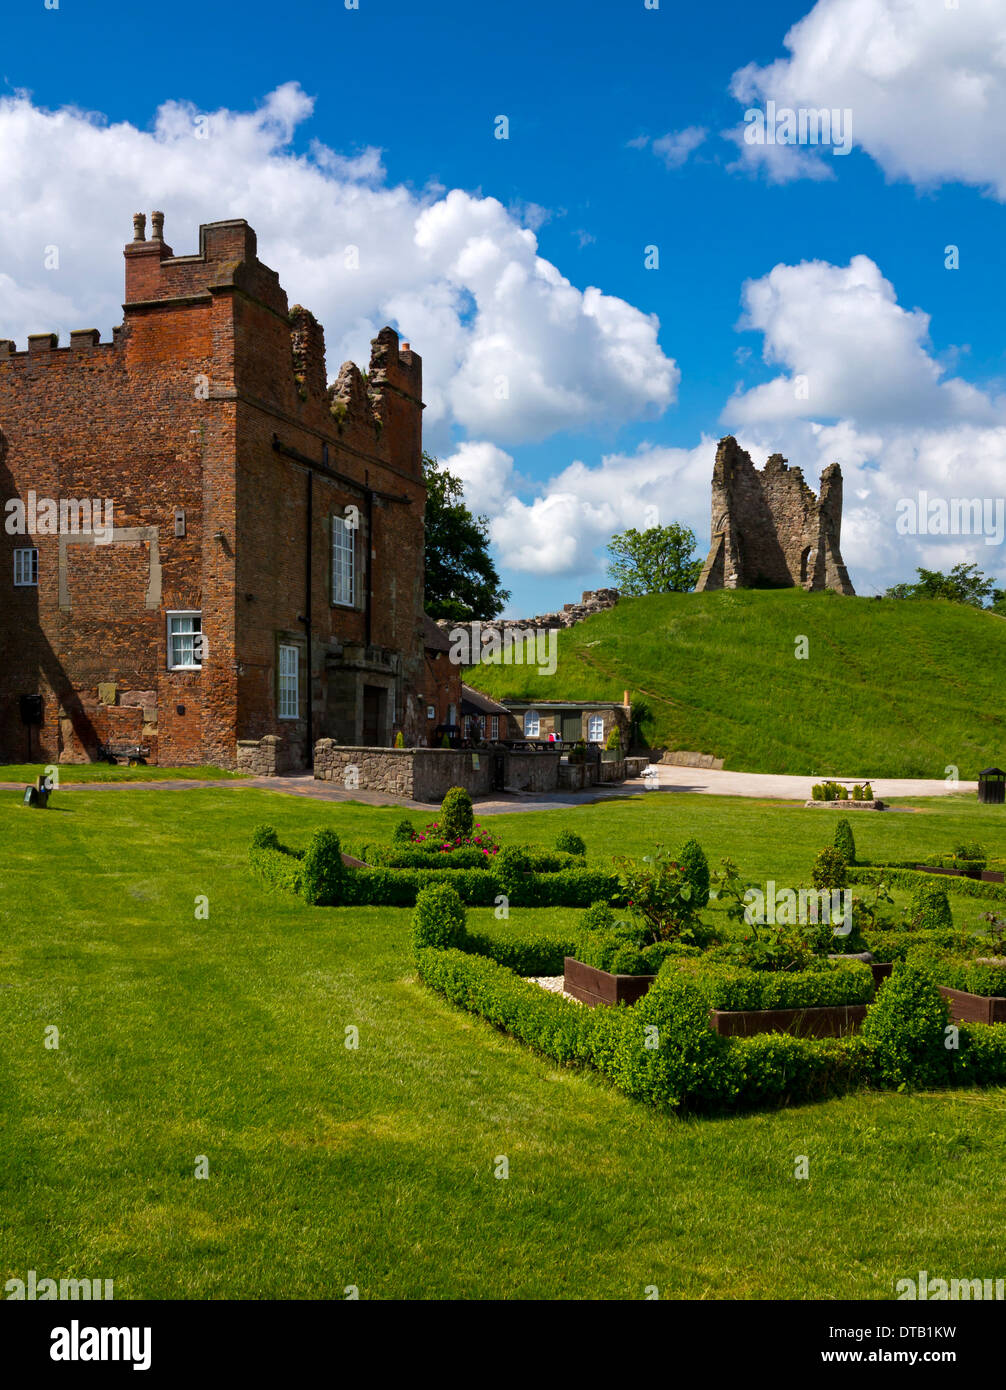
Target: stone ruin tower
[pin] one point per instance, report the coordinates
(769, 530)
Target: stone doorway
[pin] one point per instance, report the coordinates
(375, 715)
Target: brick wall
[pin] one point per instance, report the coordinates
(181, 414)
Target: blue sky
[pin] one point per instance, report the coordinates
(587, 89)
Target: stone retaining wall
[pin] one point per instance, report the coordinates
(680, 757)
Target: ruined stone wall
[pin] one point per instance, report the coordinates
(768, 528)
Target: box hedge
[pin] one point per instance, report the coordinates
(728, 987)
(321, 872)
(896, 876)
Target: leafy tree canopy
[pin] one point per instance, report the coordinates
(964, 584)
(461, 580)
(660, 560)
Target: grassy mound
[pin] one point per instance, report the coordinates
(888, 688)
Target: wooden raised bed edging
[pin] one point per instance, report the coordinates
(974, 1008)
(981, 875)
(830, 1021)
(592, 986)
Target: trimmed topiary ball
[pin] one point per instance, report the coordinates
(324, 875)
(405, 833)
(570, 843)
(438, 919)
(696, 866)
(930, 910)
(844, 842)
(904, 1031)
(598, 917)
(829, 871)
(456, 816)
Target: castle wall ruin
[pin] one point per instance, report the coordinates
(769, 530)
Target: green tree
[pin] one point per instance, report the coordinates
(658, 561)
(964, 584)
(461, 580)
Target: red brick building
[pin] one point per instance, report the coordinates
(263, 575)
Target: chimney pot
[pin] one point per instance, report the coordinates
(139, 226)
(157, 226)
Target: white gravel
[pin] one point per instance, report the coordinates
(554, 985)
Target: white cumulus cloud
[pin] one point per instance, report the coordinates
(511, 348)
(925, 83)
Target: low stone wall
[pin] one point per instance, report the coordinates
(634, 766)
(436, 770)
(425, 774)
(680, 757)
(612, 772)
(264, 757)
(531, 772)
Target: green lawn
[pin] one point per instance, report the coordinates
(330, 1167)
(109, 772)
(881, 689)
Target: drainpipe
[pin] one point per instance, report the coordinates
(370, 556)
(306, 620)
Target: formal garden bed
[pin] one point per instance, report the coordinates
(698, 1001)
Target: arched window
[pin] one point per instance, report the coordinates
(532, 724)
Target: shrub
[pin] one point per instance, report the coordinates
(456, 817)
(622, 952)
(930, 909)
(614, 739)
(553, 1025)
(668, 1054)
(660, 895)
(868, 792)
(598, 917)
(526, 950)
(825, 983)
(981, 1056)
(887, 946)
(904, 1030)
(844, 842)
(780, 1069)
(960, 972)
(438, 919)
(902, 876)
(696, 870)
(509, 869)
(569, 843)
(399, 739)
(829, 870)
(405, 832)
(323, 875)
(445, 741)
(280, 867)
